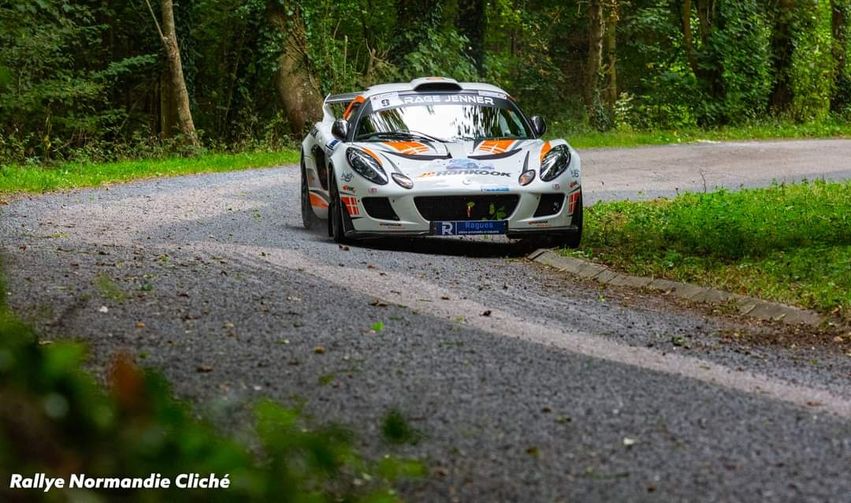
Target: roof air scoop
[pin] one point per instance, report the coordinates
(435, 84)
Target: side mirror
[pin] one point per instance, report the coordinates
(340, 129)
(539, 126)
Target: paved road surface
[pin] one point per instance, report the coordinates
(535, 401)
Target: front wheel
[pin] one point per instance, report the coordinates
(572, 238)
(337, 217)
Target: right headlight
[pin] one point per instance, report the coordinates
(366, 166)
(555, 163)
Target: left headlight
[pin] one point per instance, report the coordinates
(366, 166)
(555, 162)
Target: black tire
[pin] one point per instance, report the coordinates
(572, 239)
(308, 217)
(338, 220)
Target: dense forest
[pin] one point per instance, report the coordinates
(100, 79)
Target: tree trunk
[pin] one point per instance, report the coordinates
(595, 56)
(782, 50)
(610, 94)
(841, 94)
(688, 38)
(177, 84)
(299, 93)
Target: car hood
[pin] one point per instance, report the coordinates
(443, 164)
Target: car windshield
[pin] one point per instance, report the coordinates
(441, 118)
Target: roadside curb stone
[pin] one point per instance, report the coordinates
(747, 306)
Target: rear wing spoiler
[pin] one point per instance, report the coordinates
(337, 99)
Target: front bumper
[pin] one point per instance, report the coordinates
(409, 216)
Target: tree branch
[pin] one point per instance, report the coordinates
(156, 22)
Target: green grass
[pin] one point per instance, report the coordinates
(17, 179)
(766, 130)
(787, 243)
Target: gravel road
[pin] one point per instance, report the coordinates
(526, 385)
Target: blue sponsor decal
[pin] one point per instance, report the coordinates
(331, 144)
(495, 189)
(469, 227)
(467, 164)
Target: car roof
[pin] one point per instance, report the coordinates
(425, 84)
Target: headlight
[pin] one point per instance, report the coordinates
(555, 162)
(366, 166)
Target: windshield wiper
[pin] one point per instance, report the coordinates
(405, 135)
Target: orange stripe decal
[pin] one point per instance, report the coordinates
(545, 150)
(496, 146)
(317, 201)
(372, 154)
(407, 147)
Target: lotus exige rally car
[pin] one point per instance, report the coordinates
(438, 157)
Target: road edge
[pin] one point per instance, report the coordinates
(744, 305)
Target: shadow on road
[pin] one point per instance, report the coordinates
(481, 247)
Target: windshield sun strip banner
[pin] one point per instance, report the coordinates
(478, 98)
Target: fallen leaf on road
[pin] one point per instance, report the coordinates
(103, 309)
(204, 369)
(629, 442)
(140, 324)
(378, 303)
(319, 350)
(228, 325)
(533, 451)
(444, 297)
(344, 247)
(378, 326)
(487, 313)
(439, 471)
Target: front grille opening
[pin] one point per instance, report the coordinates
(484, 207)
(379, 208)
(550, 204)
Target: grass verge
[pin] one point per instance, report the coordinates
(786, 243)
(766, 130)
(16, 179)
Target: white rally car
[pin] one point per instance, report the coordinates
(438, 157)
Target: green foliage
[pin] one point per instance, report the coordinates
(87, 80)
(789, 242)
(397, 430)
(744, 47)
(54, 85)
(812, 64)
(440, 53)
(55, 419)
